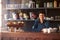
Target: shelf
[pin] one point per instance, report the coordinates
(54, 8)
(31, 20)
(28, 8)
(34, 8)
(21, 20)
(55, 20)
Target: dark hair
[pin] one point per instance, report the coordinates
(41, 12)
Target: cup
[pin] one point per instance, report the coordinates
(44, 30)
(54, 29)
(48, 30)
(59, 28)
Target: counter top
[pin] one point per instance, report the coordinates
(30, 35)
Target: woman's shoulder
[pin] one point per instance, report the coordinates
(37, 19)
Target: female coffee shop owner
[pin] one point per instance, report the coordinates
(40, 23)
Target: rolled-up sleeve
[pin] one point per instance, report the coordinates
(35, 25)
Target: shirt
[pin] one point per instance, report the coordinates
(37, 27)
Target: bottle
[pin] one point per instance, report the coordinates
(31, 15)
(33, 4)
(5, 16)
(55, 3)
(37, 3)
(51, 4)
(59, 27)
(14, 15)
(21, 15)
(30, 4)
(59, 4)
(45, 4)
(25, 16)
(48, 4)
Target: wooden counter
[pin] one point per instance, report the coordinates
(29, 36)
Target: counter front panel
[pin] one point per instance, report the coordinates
(29, 36)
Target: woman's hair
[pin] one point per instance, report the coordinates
(41, 13)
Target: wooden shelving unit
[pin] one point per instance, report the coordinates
(48, 11)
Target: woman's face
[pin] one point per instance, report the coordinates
(41, 16)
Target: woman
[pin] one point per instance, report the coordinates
(40, 23)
